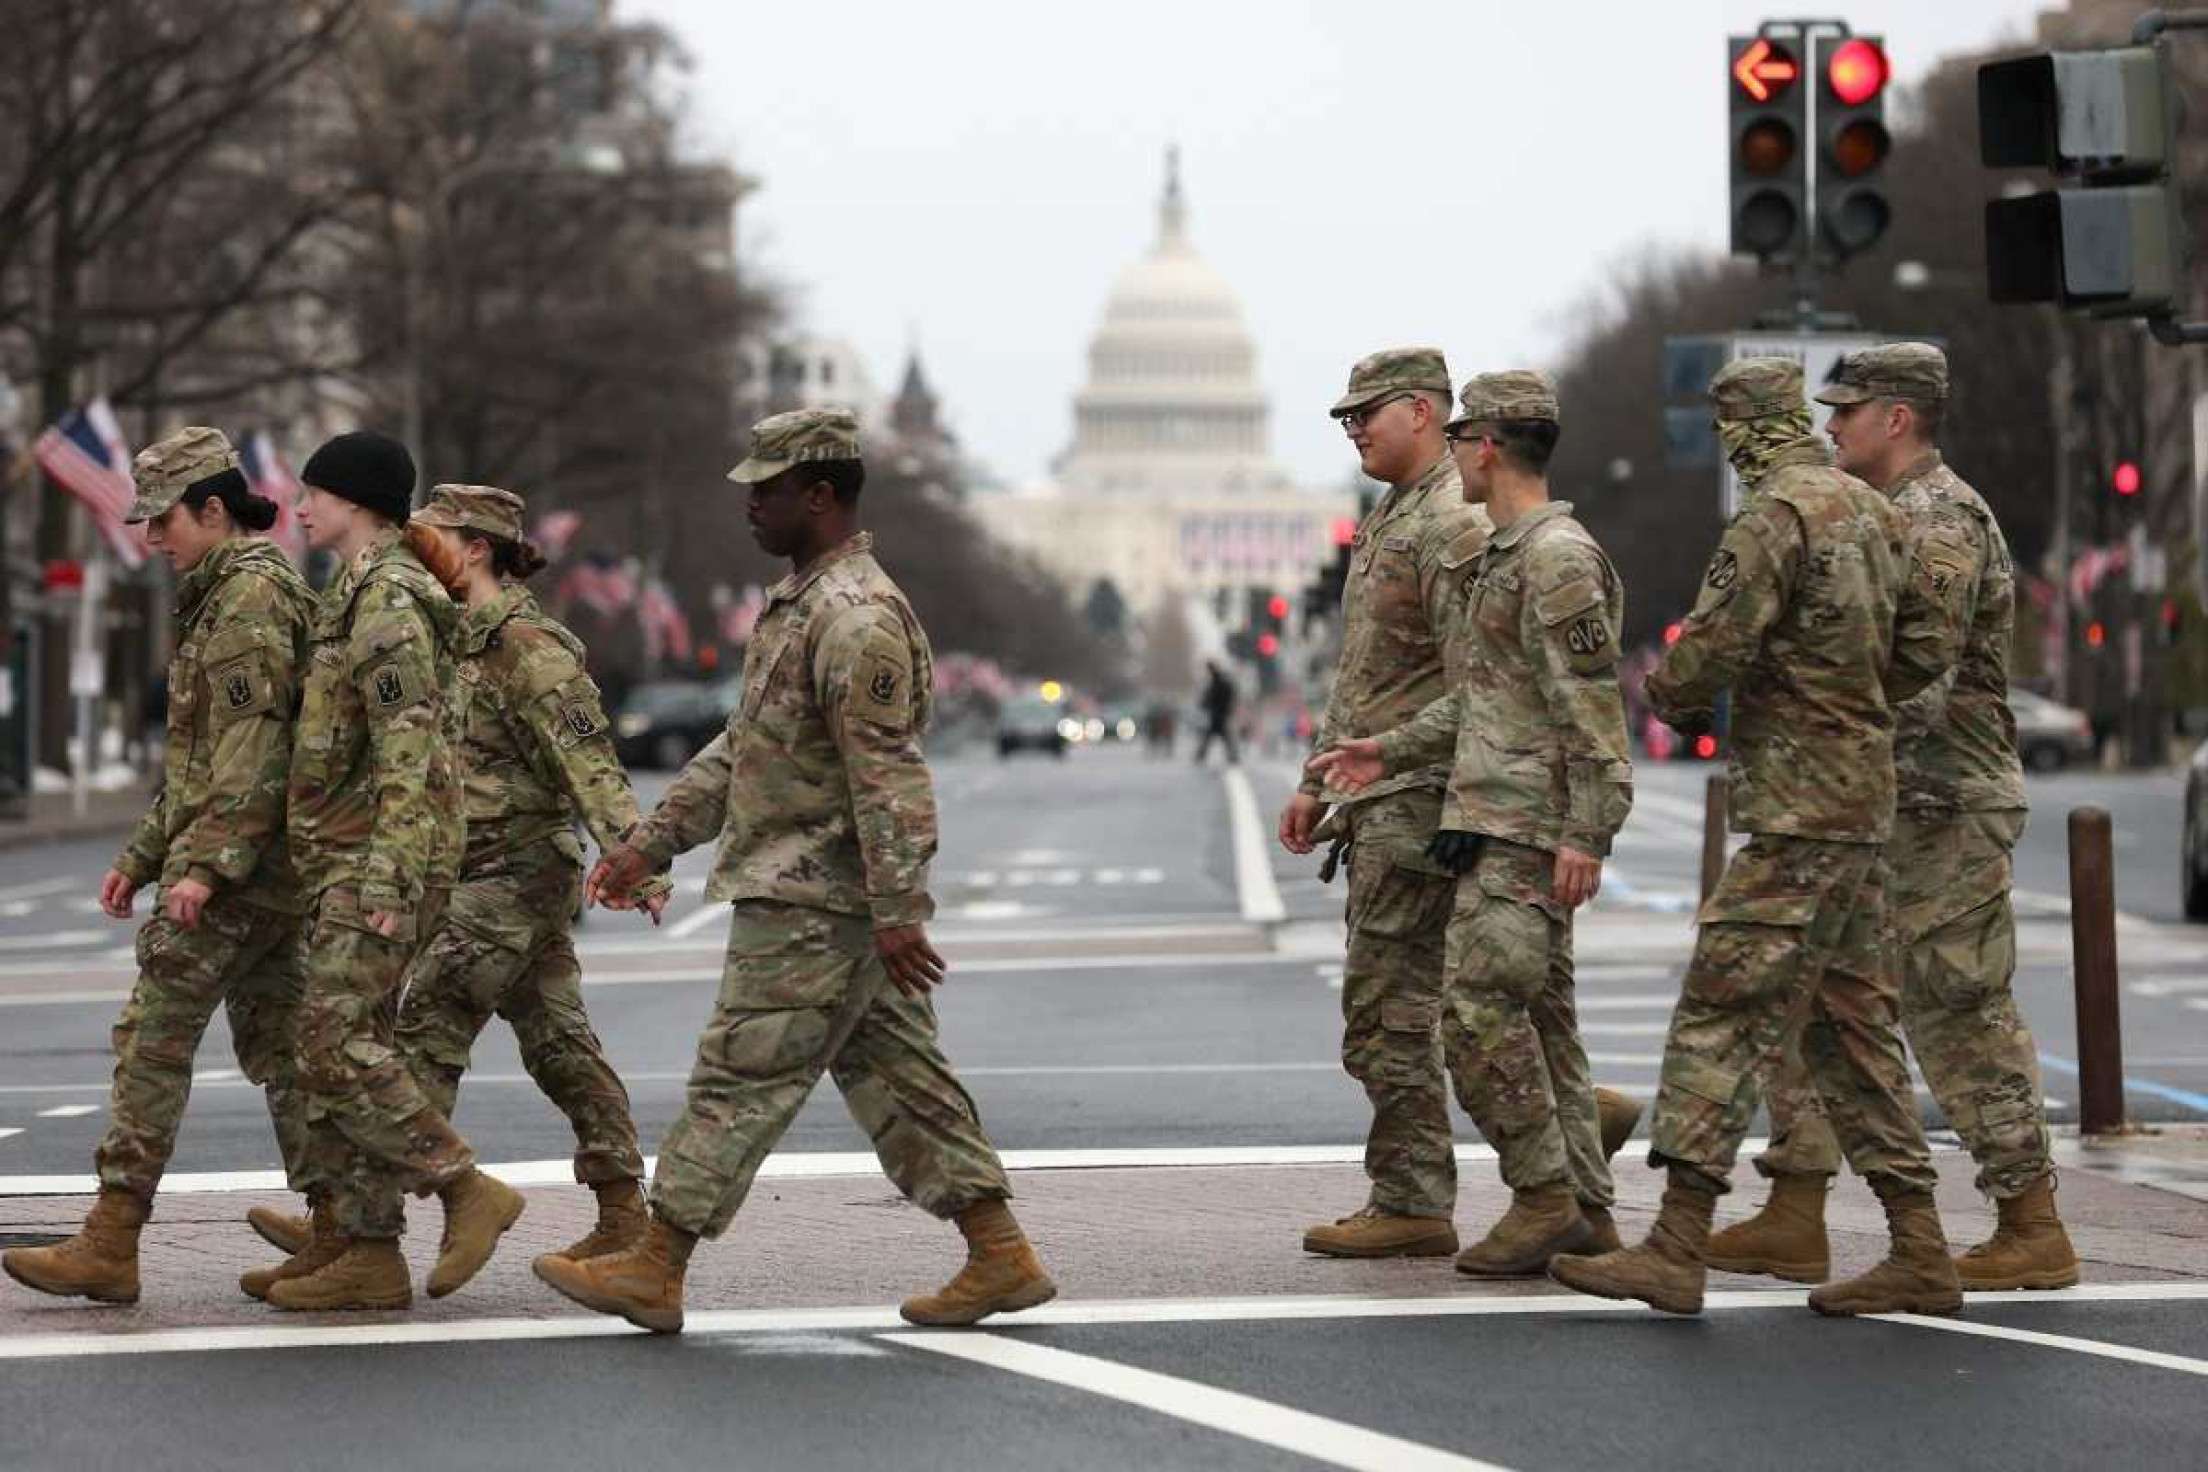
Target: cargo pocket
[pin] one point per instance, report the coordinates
(1390, 899)
(788, 974)
(1749, 946)
(1962, 941)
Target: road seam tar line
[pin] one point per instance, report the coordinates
(1253, 865)
(875, 1318)
(819, 1164)
(2100, 1347)
(1268, 1423)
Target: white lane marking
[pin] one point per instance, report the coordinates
(1625, 1029)
(54, 940)
(1268, 1423)
(68, 1111)
(1253, 865)
(42, 887)
(697, 920)
(1635, 1002)
(5, 1133)
(2099, 1347)
(826, 1164)
(870, 1317)
(1092, 927)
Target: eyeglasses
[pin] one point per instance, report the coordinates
(1356, 419)
(1466, 436)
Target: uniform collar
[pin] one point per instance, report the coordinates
(192, 588)
(478, 624)
(1804, 451)
(1919, 468)
(1414, 489)
(797, 582)
(1519, 530)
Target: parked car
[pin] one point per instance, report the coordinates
(2192, 855)
(666, 722)
(1034, 724)
(2049, 735)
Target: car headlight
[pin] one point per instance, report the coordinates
(1125, 728)
(633, 724)
(1069, 728)
(1094, 730)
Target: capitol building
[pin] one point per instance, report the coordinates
(1169, 489)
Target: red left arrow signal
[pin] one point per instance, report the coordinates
(1765, 70)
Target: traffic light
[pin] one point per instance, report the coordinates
(1852, 211)
(2124, 479)
(1769, 164)
(2115, 245)
(1268, 619)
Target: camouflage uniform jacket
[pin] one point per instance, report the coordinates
(535, 750)
(1805, 613)
(1390, 666)
(375, 800)
(1533, 712)
(242, 616)
(1955, 741)
(817, 787)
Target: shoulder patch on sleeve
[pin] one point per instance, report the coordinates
(242, 686)
(1461, 549)
(577, 713)
(880, 672)
(1566, 582)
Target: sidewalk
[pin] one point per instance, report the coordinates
(1158, 1232)
(51, 817)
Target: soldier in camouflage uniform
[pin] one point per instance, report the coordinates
(375, 826)
(1541, 784)
(1806, 614)
(1961, 809)
(1389, 668)
(536, 758)
(822, 802)
(226, 928)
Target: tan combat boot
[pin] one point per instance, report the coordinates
(1615, 1116)
(1784, 1240)
(1917, 1276)
(99, 1263)
(368, 1274)
(478, 1210)
(1540, 1224)
(2029, 1249)
(1665, 1272)
(1376, 1232)
(325, 1245)
(622, 1220)
(641, 1283)
(1602, 1231)
(1002, 1274)
(280, 1229)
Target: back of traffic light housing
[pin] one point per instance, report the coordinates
(2115, 246)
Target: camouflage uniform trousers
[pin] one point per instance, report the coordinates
(247, 959)
(1956, 935)
(1398, 919)
(1793, 942)
(504, 947)
(803, 993)
(1510, 1026)
(372, 1131)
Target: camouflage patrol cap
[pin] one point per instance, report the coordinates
(1515, 393)
(166, 469)
(797, 438)
(484, 509)
(1751, 388)
(1393, 371)
(1892, 370)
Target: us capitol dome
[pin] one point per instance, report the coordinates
(1169, 485)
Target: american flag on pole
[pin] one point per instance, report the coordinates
(599, 584)
(666, 631)
(268, 475)
(86, 456)
(555, 529)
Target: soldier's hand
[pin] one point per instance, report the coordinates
(1350, 767)
(184, 900)
(1297, 820)
(617, 871)
(1578, 877)
(117, 891)
(908, 958)
(384, 922)
(652, 895)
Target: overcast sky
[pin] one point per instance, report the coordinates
(973, 173)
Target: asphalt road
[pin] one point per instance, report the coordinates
(1106, 990)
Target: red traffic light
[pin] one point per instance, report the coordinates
(2126, 478)
(1705, 746)
(1672, 631)
(1764, 71)
(2096, 634)
(1857, 71)
(1276, 607)
(1268, 645)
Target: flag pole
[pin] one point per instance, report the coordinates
(85, 675)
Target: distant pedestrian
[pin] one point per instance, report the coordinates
(1218, 706)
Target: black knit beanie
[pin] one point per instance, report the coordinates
(366, 468)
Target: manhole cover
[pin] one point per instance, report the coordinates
(31, 1239)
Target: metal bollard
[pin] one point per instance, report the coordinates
(2093, 964)
(1717, 796)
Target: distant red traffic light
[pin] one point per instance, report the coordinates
(1276, 606)
(1268, 645)
(1345, 530)
(1705, 746)
(2126, 478)
(1857, 71)
(1672, 632)
(2095, 634)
